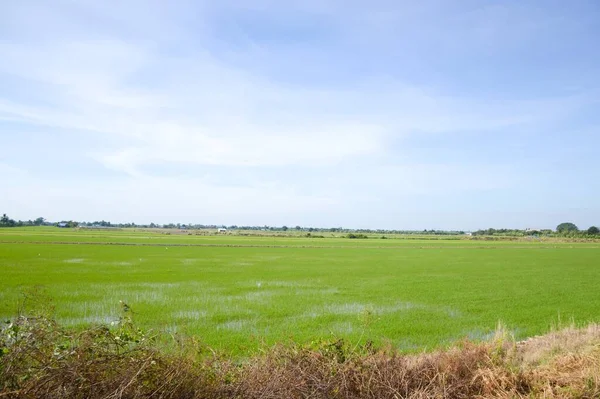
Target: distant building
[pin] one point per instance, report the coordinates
(63, 224)
(222, 230)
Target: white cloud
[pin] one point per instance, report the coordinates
(198, 110)
(158, 86)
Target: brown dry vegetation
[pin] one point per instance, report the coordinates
(40, 359)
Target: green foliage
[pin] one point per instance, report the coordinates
(567, 227)
(508, 232)
(355, 235)
(593, 230)
(5, 221)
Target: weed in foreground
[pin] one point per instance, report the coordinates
(41, 359)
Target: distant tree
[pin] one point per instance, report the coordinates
(284, 228)
(5, 221)
(39, 221)
(566, 227)
(593, 230)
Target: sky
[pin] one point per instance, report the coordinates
(389, 114)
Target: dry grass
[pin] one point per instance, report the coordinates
(40, 359)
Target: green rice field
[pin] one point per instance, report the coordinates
(237, 293)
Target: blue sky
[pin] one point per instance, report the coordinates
(379, 114)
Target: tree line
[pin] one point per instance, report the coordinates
(5, 221)
(566, 229)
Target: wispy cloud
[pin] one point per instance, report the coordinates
(274, 93)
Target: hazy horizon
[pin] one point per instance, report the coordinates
(292, 227)
(440, 115)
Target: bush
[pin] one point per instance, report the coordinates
(41, 359)
(356, 235)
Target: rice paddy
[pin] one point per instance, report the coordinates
(237, 293)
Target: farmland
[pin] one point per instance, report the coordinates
(237, 293)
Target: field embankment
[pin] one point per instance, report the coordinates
(41, 359)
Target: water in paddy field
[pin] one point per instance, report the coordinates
(416, 297)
